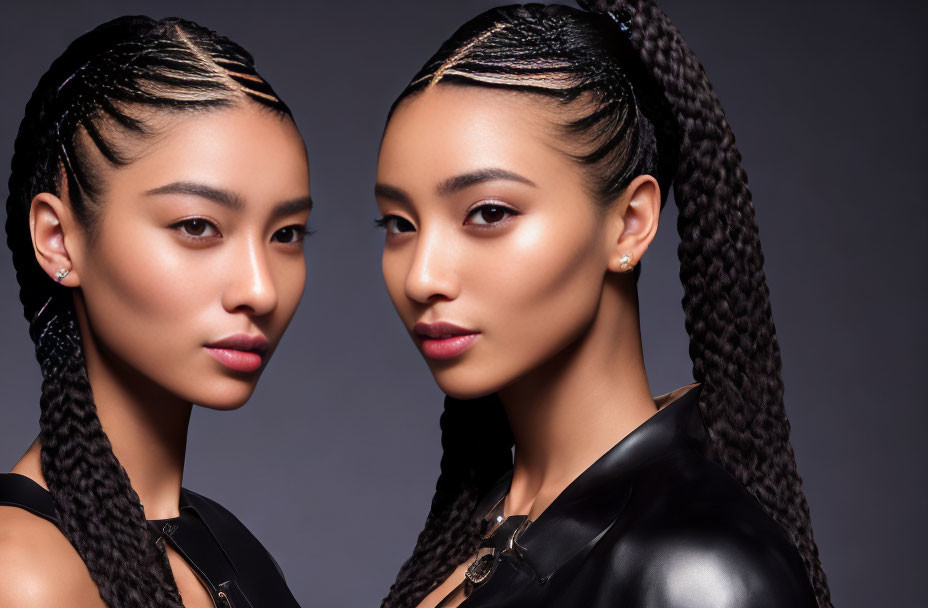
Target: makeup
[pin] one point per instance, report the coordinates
(240, 352)
(443, 340)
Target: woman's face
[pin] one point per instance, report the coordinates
(495, 254)
(197, 266)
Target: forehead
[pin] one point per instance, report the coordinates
(452, 129)
(242, 147)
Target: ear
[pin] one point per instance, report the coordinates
(56, 238)
(634, 216)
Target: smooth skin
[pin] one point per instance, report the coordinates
(491, 226)
(200, 238)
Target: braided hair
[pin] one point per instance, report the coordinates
(637, 101)
(100, 91)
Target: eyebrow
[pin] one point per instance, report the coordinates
(456, 183)
(223, 197)
(459, 182)
(229, 199)
(304, 203)
(391, 193)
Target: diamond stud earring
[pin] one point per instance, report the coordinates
(61, 274)
(625, 262)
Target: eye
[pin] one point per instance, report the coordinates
(196, 227)
(395, 224)
(489, 214)
(291, 234)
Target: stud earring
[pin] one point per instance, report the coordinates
(625, 262)
(61, 274)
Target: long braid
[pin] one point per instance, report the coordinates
(476, 444)
(92, 89)
(641, 102)
(97, 508)
(733, 342)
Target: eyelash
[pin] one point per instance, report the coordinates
(186, 223)
(506, 209)
(301, 230)
(301, 233)
(384, 222)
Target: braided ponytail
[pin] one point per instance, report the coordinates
(92, 89)
(107, 523)
(639, 99)
(733, 342)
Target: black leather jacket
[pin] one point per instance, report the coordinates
(653, 523)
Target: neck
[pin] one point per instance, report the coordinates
(147, 428)
(568, 413)
(145, 424)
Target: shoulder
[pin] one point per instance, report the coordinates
(708, 542)
(261, 576)
(724, 567)
(40, 567)
(214, 514)
(232, 534)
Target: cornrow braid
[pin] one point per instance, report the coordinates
(639, 102)
(92, 92)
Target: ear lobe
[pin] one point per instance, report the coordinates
(638, 209)
(52, 226)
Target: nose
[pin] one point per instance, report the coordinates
(432, 275)
(251, 286)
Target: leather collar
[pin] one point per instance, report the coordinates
(592, 503)
(37, 500)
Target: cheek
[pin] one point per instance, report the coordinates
(127, 280)
(548, 275)
(534, 293)
(152, 301)
(289, 281)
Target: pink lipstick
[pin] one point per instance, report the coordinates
(443, 340)
(240, 353)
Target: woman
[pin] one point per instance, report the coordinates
(158, 201)
(520, 179)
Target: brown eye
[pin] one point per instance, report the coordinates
(196, 227)
(395, 224)
(403, 225)
(489, 214)
(290, 234)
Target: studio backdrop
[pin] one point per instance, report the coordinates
(333, 462)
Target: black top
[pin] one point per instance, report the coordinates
(652, 524)
(236, 569)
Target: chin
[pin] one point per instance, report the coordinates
(228, 397)
(458, 384)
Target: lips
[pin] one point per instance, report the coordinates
(443, 340)
(240, 353)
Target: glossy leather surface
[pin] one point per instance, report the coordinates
(652, 524)
(228, 559)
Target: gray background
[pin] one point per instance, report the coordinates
(333, 461)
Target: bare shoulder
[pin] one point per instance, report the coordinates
(40, 567)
